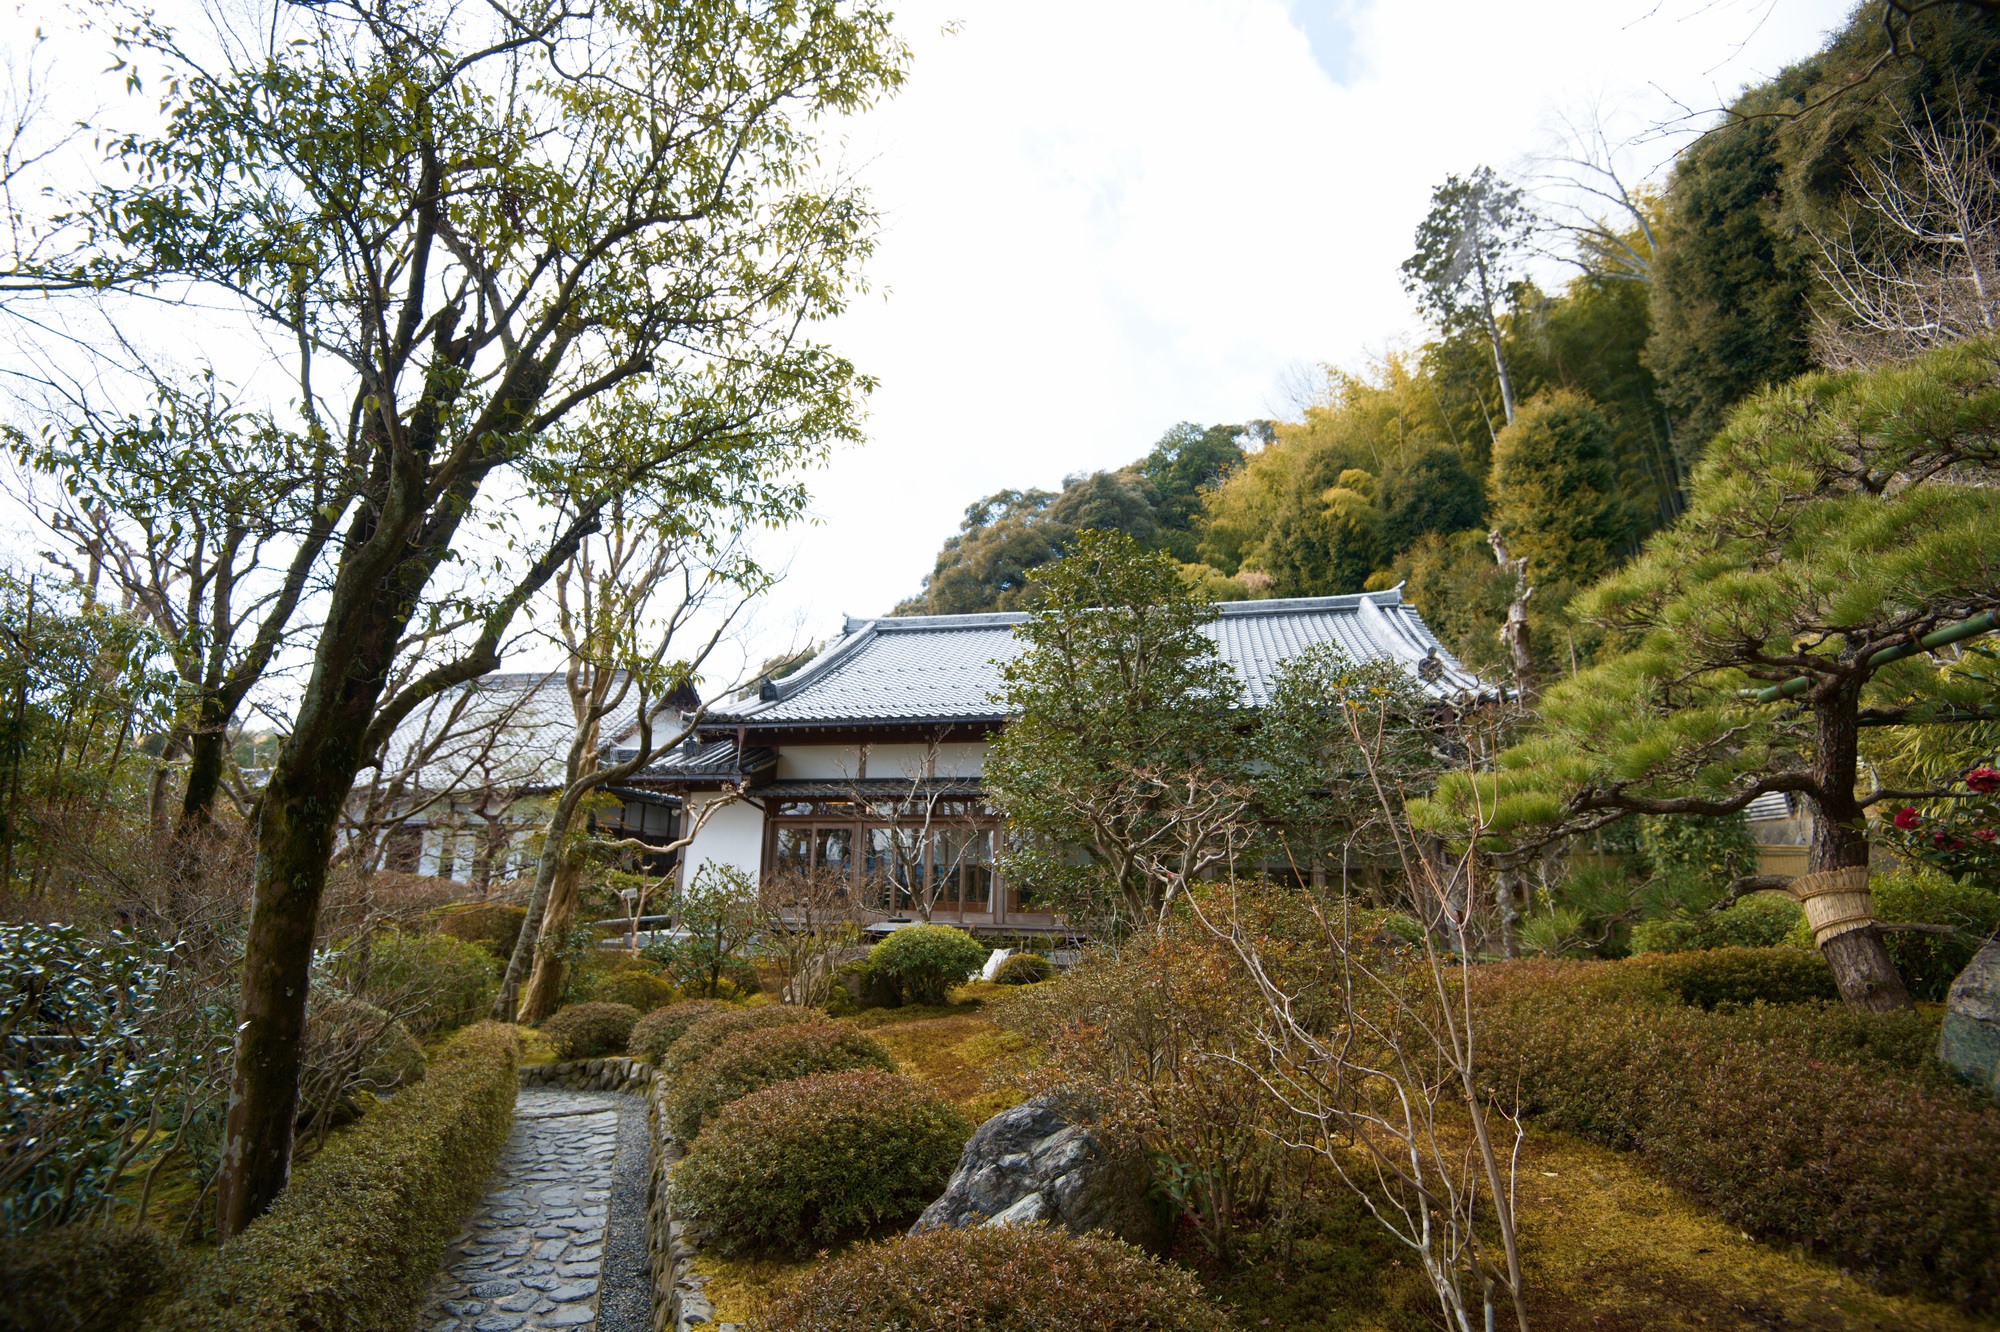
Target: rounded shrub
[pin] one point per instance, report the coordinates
(640, 989)
(1713, 976)
(436, 981)
(705, 1033)
(751, 1060)
(586, 1031)
(1024, 969)
(663, 1026)
(808, 1163)
(998, 1279)
(922, 962)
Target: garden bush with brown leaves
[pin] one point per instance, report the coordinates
(657, 1030)
(998, 1279)
(814, 1161)
(707, 1032)
(585, 1031)
(761, 1057)
(1808, 1124)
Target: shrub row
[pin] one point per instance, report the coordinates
(354, 1243)
(803, 1164)
(1805, 1123)
(998, 1279)
(87, 1278)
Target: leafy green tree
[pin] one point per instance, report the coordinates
(1124, 722)
(1188, 460)
(1467, 248)
(1836, 518)
(551, 257)
(1435, 493)
(1556, 496)
(985, 566)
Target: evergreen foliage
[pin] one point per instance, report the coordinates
(1555, 490)
(922, 962)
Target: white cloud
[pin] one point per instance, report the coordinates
(1104, 218)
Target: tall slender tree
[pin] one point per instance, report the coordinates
(531, 260)
(1468, 248)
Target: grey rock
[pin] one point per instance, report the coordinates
(576, 1315)
(1969, 1040)
(500, 1323)
(1032, 1164)
(570, 1294)
(486, 1290)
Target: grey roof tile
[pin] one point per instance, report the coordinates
(946, 667)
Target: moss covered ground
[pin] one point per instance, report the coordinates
(1607, 1246)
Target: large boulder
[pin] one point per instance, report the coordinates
(1970, 1040)
(1031, 1164)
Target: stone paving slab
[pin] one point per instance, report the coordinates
(531, 1254)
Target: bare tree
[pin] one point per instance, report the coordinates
(622, 604)
(1915, 263)
(809, 918)
(1514, 633)
(1593, 209)
(1384, 1087)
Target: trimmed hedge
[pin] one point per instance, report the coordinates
(1024, 969)
(663, 1026)
(805, 1164)
(354, 1243)
(640, 990)
(922, 962)
(1714, 976)
(585, 1031)
(1809, 1124)
(750, 1060)
(997, 1279)
(706, 1033)
(87, 1278)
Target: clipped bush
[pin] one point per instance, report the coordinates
(586, 1031)
(639, 990)
(494, 926)
(355, 1240)
(758, 1058)
(922, 962)
(808, 1163)
(663, 1026)
(1745, 975)
(433, 981)
(997, 1279)
(1024, 969)
(1762, 920)
(87, 1278)
(706, 1033)
(1807, 1124)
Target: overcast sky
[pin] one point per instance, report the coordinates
(1102, 217)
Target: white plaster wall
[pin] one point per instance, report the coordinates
(733, 835)
(843, 762)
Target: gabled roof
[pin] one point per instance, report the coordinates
(711, 759)
(941, 668)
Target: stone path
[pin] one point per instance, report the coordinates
(532, 1254)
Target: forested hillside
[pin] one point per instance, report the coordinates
(1567, 420)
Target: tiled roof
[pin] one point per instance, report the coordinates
(713, 758)
(509, 729)
(1770, 805)
(946, 667)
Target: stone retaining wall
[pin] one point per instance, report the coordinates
(678, 1304)
(629, 1077)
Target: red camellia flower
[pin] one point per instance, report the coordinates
(1906, 818)
(1983, 780)
(1983, 834)
(1938, 839)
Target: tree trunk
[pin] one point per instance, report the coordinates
(1861, 965)
(547, 871)
(545, 983)
(208, 753)
(295, 831)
